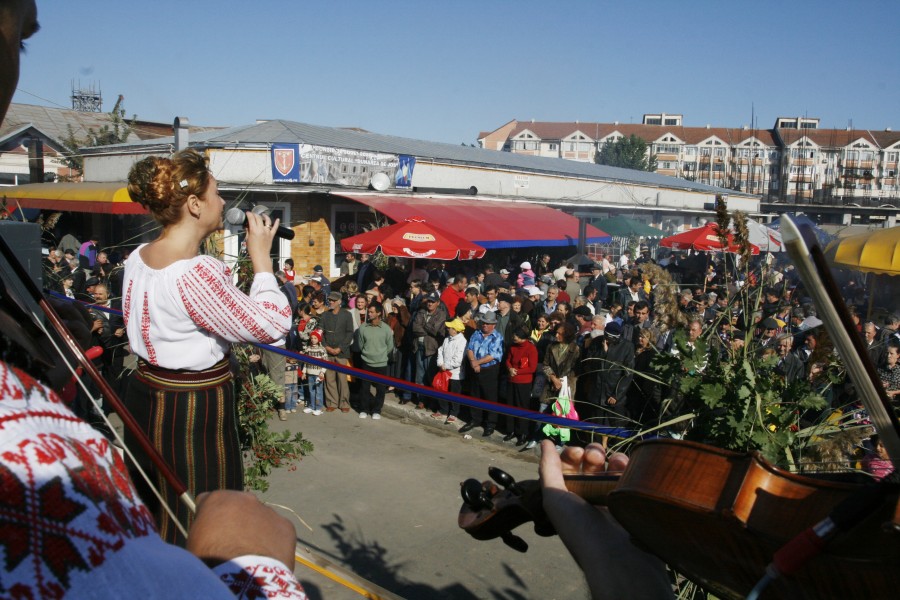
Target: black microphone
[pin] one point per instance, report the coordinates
(236, 216)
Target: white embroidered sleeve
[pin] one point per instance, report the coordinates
(215, 304)
(259, 577)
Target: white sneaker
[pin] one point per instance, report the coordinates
(363, 415)
(307, 410)
(376, 416)
(317, 412)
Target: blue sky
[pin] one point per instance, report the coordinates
(443, 71)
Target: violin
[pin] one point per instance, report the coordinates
(713, 515)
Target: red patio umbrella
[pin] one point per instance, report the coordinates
(414, 238)
(703, 239)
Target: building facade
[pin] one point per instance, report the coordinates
(843, 176)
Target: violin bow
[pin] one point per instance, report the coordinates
(302, 554)
(810, 261)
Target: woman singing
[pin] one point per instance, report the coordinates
(182, 313)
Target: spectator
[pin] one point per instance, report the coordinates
(485, 354)
(450, 358)
(337, 327)
(428, 332)
(521, 364)
(349, 265)
(376, 340)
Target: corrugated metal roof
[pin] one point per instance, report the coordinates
(291, 132)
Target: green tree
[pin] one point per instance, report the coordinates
(629, 153)
(116, 132)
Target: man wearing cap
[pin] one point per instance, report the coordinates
(428, 331)
(484, 353)
(769, 331)
(507, 320)
(337, 335)
(644, 258)
(376, 340)
(324, 282)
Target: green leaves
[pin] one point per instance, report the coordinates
(264, 450)
(628, 153)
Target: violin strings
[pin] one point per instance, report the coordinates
(98, 409)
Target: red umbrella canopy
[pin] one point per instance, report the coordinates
(414, 238)
(703, 239)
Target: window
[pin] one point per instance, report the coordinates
(551, 146)
(570, 146)
(654, 121)
(891, 156)
(666, 149)
(720, 152)
(667, 165)
(689, 166)
(672, 122)
(705, 151)
(719, 167)
(690, 150)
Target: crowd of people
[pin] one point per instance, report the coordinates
(528, 335)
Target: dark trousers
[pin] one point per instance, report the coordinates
(485, 386)
(451, 409)
(369, 403)
(520, 397)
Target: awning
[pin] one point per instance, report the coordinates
(105, 198)
(488, 223)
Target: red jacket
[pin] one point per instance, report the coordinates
(522, 357)
(450, 297)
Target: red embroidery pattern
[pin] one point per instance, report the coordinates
(263, 581)
(126, 304)
(145, 330)
(66, 500)
(214, 304)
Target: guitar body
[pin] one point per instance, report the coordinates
(718, 517)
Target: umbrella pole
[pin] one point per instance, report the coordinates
(871, 295)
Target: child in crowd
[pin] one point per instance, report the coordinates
(526, 276)
(314, 374)
(292, 390)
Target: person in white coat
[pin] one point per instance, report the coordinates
(450, 358)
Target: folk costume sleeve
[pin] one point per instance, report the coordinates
(74, 525)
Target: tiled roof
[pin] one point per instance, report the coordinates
(54, 122)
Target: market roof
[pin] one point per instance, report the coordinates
(291, 132)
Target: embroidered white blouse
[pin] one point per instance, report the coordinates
(186, 315)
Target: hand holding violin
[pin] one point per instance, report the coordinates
(613, 566)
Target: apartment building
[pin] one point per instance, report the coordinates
(843, 176)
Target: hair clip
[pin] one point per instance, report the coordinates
(183, 183)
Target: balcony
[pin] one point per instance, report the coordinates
(858, 164)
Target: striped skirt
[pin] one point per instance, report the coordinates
(190, 417)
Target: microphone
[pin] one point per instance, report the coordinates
(236, 216)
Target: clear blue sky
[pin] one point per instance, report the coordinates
(443, 71)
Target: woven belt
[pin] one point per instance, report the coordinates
(184, 379)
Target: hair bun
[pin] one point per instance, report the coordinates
(146, 183)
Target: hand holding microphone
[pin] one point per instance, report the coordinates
(260, 233)
(235, 216)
